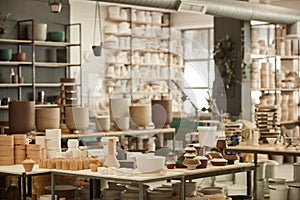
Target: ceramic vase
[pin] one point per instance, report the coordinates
(77, 118)
(47, 118)
(21, 116)
(28, 164)
(162, 115)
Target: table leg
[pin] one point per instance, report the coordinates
(92, 189)
(53, 186)
(182, 189)
(29, 186)
(255, 177)
(23, 186)
(248, 183)
(141, 191)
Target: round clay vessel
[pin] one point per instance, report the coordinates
(77, 118)
(162, 114)
(21, 116)
(140, 114)
(28, 164)
(47, 118)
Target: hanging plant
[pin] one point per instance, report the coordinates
(225, 60)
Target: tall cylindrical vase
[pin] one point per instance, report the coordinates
(162, 115)
(21, 116)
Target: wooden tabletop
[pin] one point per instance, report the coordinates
(264, 149)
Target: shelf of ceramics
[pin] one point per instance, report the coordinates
(15, 84)
(116, 78)
(149, 37)
(154, 92)
(152, 50)
(15, 63)
(118, 63)
(289, 57)
(54, 64)
(290, 36)
(117, 49)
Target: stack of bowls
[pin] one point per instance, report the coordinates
(159, 193)
(109, 194)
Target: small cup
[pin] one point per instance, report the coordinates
(97, 49)
(20, 79)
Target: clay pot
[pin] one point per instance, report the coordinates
(93, 167)
(162, 114)
(19, 56)
(47, 118)
(119, 108)
(140, 114)
(21, 116)
(103, 123)
(28, 164)
(221, 144)
(77, 118)
(191, 163)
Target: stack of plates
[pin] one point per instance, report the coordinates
(109, 194)
(6, 150)
(20, 148)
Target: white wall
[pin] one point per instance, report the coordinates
(190, 21)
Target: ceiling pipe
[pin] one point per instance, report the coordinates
(226, 8)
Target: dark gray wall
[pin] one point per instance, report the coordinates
(233, 28)
(39, 11)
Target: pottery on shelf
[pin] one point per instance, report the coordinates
(21, 116)
(47, 118)
(28, 164)
(77, 118)
(140, 114)
(162, 114)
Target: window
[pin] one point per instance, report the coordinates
(199, 67)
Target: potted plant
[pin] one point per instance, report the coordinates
(225, 60)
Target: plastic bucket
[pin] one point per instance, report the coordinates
(278, 192)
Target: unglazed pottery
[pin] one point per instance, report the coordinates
(47, 118)
(140, 114)
(77, 118)
(28, 164)
(162, 114)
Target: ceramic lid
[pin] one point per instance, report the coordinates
(278, 187)
(293, 184)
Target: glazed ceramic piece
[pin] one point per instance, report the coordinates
(21, 116)
(40, 31)
(162, 114)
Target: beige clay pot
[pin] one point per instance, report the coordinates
(28, 164)
(140, 114)
(47, 118)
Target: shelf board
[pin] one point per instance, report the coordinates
(118, 63)
(118, 34)
(15, 63)
(54, 64)
(117, 20)
(118, 49)
(150, 37)
(36, 105)
(150, 64)
(15, 41)
(289, 57)
(54, 84)
(39, 43)
(289, 122)
(150, 23)
(15, 84)
(152, 50)
(275, 89)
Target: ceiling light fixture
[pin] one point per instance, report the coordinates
(55, 6)
(186, 6)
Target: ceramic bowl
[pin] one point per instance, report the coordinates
(56, 36)
(271, 141)
(211, 190)
(141, 114)
(218, 162)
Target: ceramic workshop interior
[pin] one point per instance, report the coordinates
(133, 99)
